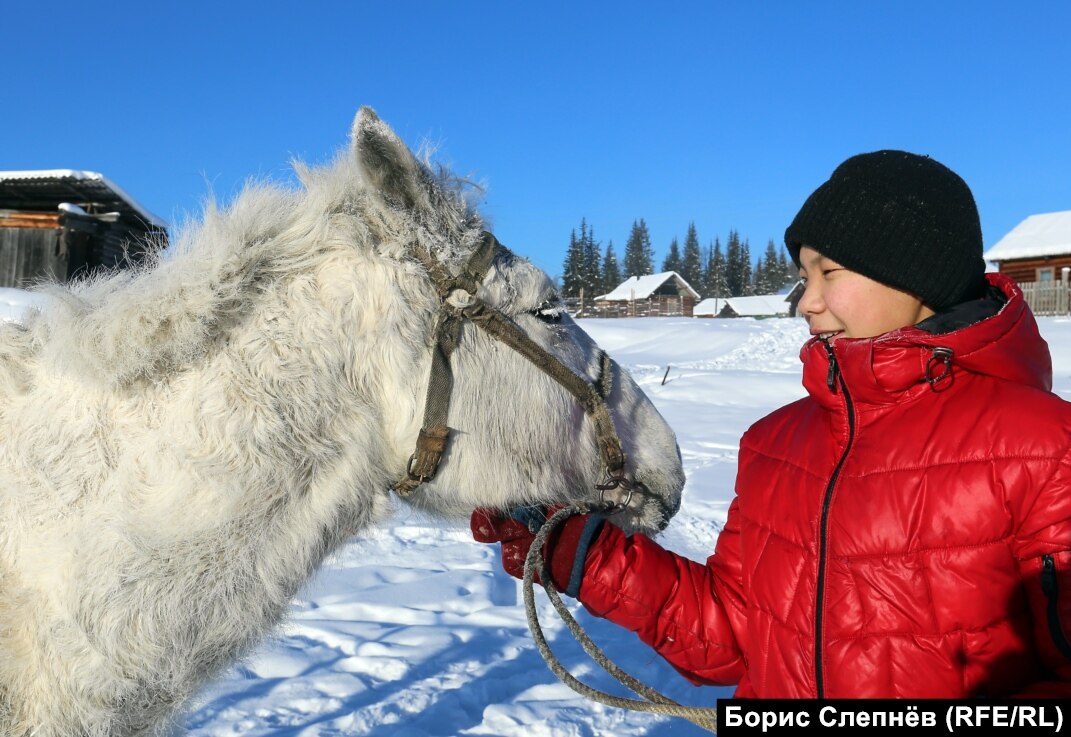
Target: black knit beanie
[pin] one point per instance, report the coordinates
(901, 219)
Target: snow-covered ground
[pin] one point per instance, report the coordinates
(413, 630)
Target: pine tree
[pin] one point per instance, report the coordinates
(611, 271)
(734, 270)
(717, 284)
(705, 254)
(639, 259)
(746, 278)
(591, 271)
(768, 275)
(672, 261)
(709, 270)
(787, 269)
(572, 270)
(691, 260)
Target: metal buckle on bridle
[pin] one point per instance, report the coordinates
(616, 480)
(460, 298)
(459, 302)
(416, 476)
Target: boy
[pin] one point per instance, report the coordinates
(905, 529)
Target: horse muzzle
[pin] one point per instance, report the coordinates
(633, 505)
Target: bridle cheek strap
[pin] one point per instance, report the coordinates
(434, 434)
(592, 397)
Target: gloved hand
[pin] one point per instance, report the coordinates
(564, 551)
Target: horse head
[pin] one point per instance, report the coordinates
(529, 410)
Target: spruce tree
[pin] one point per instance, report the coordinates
(572, 269)
(768, 276)
(717, 284)
(639, 259)
(734, 270)
(789, 273)
(704, 265)
(648, 249)
(591, 272)
(691, 260)
(709, 271)
(672, 262)
(746, 278)
(611, 271)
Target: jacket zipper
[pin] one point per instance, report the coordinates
(832, 379)
(1048, 586)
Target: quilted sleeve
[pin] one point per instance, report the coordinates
(692, 614)
(1043, 545)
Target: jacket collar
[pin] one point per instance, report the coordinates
(888, 368)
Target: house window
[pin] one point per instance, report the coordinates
(1045, 274)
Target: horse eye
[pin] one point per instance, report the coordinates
(549, 311)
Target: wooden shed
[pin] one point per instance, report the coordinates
(1036, 249)
(759, 305)
(652, 295)
(57, 223)
(783, 303)
(1036, 253)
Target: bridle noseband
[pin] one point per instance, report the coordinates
(457, 294)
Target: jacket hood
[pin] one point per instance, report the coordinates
(879, 370)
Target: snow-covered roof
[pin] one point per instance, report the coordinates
(95, 179)
(1048, 234)
(759, 305)
(709, 306)
(642, 287)
(788, 288)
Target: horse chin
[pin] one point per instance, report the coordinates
(648, 519)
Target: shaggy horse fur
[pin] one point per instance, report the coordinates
(182, 444)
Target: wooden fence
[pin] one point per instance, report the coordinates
(658, 306)
(1047, 297)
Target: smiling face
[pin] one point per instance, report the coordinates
(840, 303)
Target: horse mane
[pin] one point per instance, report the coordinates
(164, 312)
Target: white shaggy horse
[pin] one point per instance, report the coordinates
(182, 444)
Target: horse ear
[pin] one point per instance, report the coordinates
(385, 160)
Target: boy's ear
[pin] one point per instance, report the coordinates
(386, 162)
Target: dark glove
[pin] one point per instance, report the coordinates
(564, 551)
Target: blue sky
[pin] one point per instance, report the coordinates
(725, 114)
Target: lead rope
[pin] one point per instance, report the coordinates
(655, 703)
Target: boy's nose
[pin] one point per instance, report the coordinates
(811, 301)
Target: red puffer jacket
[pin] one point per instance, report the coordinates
(890, 537)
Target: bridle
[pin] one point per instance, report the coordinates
(457, 295)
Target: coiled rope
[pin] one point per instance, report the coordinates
(652, 701)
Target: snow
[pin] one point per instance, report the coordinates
(759, 305)
(1047, 234)
(72, 209)
(641, 287)
(413, 630)
(16, 304)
